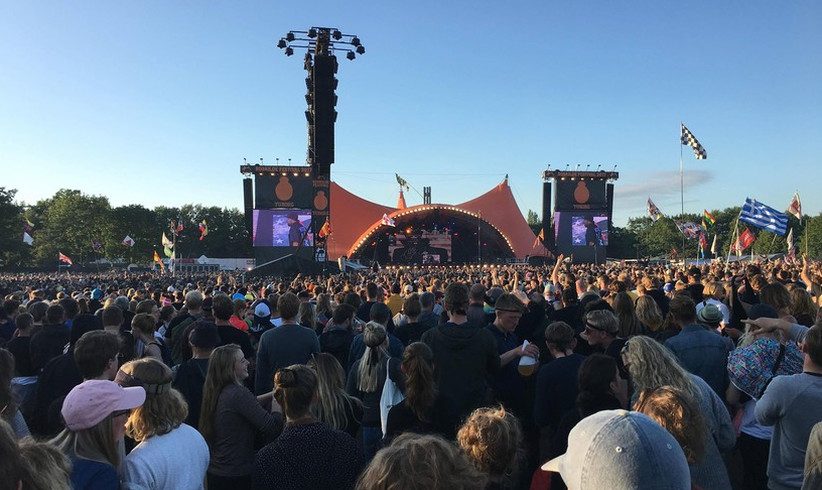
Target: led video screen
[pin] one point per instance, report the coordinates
(282, 228)
(427, 247)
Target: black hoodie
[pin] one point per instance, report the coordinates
(464, 356)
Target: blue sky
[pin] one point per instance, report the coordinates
(156, 102)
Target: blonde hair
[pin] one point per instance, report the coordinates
(676, 412)
(652, 365)
(373, 359)
(334, 403)
(492, 440)
(164, 409)
(649, 313)
(95, 443)
(433, 462)
(221, 373)
(44, 466)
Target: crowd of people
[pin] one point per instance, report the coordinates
(577, 376)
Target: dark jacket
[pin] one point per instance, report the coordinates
(463, 357)
(189, 381)
(337, 342)
(477, 316)
(411, 332)
(48, 344)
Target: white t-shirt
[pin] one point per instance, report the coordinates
(726, 314)
(177, 460)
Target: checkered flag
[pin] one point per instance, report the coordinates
(688, 139)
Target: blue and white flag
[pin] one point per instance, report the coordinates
(761, 216)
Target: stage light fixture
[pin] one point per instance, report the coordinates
(350, 55)
(289, 51)
(355, 41)
(281, 43)
(312, 33)
(289, 37)
(360, 49)
(337, 35)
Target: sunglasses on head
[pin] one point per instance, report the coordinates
(594, 327)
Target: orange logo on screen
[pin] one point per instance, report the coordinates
(284, 191)
(320, 201)
(581, 193)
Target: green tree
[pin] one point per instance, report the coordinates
(140, 224)
(70, 222)
(534, 221)
(814, 237)
(12, 249)
(622, 243)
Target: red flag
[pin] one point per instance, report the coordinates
(203, 230)
(745, 240)
(539, 237)
(703, 242)
(64, 258)
(325, 230)
(795, 208)
(387, 221)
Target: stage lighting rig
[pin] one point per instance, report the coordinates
(322, 41)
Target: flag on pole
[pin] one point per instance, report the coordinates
(203, 229)
(325, 230)
(168, 252)
(27, 239)
(791, 247)
(402, 182)
(167, 243)
(176, 228)
(713, 246)
(653, 211)
(64, 258)
(128, 241)
(708, 220)
(690, 229)
(688, 139)
(539, 238)
(703, 242)
(745, 240)
(387, 221)
(159, 261)
(795, 207)
(761, 216)
(29, 226)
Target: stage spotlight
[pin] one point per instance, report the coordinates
(360, 49)
(312, 33)
(355, 41)
(289, 51)
(350, 55)
(289, 37)
(281, 44)
(337, 35)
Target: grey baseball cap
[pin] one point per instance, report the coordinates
(621, 450)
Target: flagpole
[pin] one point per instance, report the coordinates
(733, 242)
(806, 236)
(681, 181)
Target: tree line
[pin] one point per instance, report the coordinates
(72, 222)
(644, 238)
(87, 228)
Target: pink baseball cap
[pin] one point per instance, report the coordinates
(90, 402)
